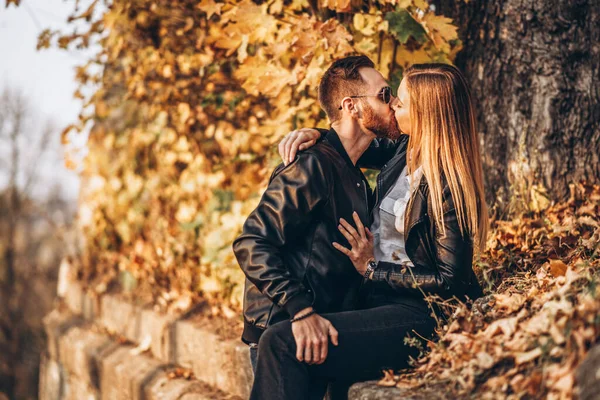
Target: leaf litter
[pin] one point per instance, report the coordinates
(540, 316)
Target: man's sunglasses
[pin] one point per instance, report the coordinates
(384, 95)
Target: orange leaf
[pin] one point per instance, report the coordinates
(558, 268)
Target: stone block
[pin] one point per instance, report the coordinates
(80, 301)
(587, 376)
(224, 364)
(124, 375)
(138, 325)
(120, 316)
(369, 390)
(76, 389)
(80, 352)
(56, 324)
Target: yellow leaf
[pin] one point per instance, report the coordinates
(210, 7)
(422, 4)
(405, 57)
(337, 5)
(387, 54)
(442, 25)
(229, 43)
(262, 77)
(366, 46)
(254, 21)
(338, 38)
(243, 49)
(366, 24)
(276, 7)
(184, 112)
(440, 30)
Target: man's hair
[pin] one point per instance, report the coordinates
(340, 80)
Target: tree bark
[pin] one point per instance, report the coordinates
(533, 68)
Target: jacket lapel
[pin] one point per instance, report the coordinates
(416, 209)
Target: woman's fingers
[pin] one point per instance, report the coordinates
(359, 225)
(349, 237)
(307, 145)
(281, 149)
(295, 147)
(350, 229)
(369, 234)
(342, 249)
(288, 145)
(300, 139)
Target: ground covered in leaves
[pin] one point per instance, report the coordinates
(525, 338)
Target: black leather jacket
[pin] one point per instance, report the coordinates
(442, 265)
(285, 248)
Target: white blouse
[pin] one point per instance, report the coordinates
(388, 220)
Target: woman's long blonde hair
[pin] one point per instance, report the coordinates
(444, 142)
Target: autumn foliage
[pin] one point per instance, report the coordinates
(187, 101)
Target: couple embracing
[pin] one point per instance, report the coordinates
(336, 273)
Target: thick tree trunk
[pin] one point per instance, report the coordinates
(534, 69)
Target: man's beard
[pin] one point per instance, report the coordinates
(381, 127)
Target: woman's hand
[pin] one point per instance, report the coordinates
(294, 141)
(361, 242)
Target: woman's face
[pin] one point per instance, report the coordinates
(401, 108)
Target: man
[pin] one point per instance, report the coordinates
(285, 249)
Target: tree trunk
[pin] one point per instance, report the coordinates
(533, 67)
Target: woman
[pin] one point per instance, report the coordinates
(429, 218)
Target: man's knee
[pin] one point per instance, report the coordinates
(276, 338)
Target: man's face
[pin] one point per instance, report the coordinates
(377, 116)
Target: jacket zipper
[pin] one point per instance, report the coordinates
(409, 210)
(378, 188)
(364, 184)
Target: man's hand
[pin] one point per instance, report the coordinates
(312, 337)
(295, 141)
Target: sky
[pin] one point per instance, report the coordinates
(46, 77)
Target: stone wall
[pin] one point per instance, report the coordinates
(103, 347)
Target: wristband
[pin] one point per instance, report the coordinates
(308, 314)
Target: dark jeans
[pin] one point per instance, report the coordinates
(318, 387)
(369, 340)
(253, 356)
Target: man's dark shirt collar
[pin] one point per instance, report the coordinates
(334, 140)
